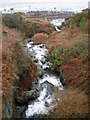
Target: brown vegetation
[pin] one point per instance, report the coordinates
(72, 104)
(75, 68)
(73, 38)
(44, 24)
(11, 71)
(8, 58)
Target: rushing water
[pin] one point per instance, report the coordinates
(45, 84)
(57, 22)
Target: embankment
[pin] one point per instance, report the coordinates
(73, 39)
(18, 70)
(16, 66)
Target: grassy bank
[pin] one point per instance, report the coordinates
(68, 53)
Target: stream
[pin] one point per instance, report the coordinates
(46, 83)
(56, 23)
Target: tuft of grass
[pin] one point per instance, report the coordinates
(73, 103)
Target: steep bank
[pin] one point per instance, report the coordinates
(18, 69)
(72, 38)
(69, 56)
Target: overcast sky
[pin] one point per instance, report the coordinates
(3, 1)
(59, 4)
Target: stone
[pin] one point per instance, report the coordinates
(26, 96)
(41, 46)
(40, 73)
(50, 87)
(43, 60)
(46, 104)
(36, 61)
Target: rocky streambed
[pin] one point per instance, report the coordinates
(39, 100)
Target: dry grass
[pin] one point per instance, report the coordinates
(9, 57)
(73, 104)
(39, 38)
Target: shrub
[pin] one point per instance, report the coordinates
(56, 58)
(82, 24)
(78, 17)
(67, 23)
(17, 43)
(79, 49)
(35, 27)
(5, 31)
(46, 32)
(12, 20)
(78, 21)
(30, 28)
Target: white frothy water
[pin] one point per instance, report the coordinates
(38, 107)
(39, 52)
(53, 80)
(44, 102)
(57, 22)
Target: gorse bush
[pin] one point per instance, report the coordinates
(79, 21)
(16, 21)
(56, 58)
(18, 43)
(46, 32)
(35, 27)
(82, 24)
(5, 31)
(30, 28)
(12, 20)
(78, 17)
(79, 50)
